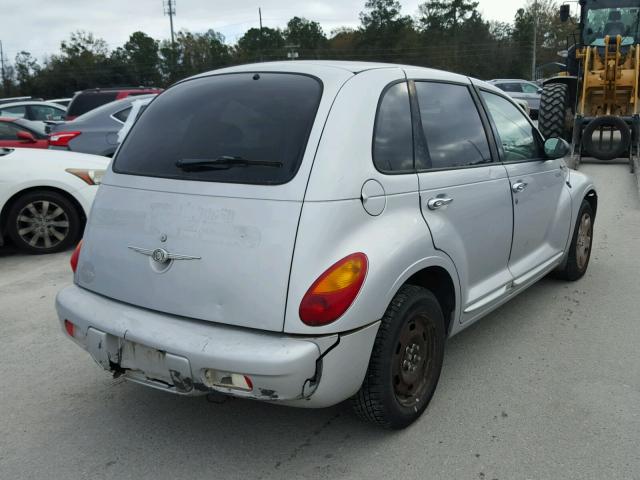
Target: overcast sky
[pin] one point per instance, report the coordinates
(38, 26)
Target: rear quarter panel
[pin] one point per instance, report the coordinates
(334, 224)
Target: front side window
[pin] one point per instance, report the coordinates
(237, 128)
(517, 136)
(510, 87)
(393, 137)
(452, 127)
(529, 88)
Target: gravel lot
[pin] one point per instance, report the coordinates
(547, 387)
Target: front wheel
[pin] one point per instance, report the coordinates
(43, 222)
(580, 248)
(406, 360)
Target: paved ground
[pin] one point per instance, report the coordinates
(547, 387)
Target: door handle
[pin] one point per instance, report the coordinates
(518, 187)
(438, 202)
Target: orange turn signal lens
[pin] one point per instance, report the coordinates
(334, 291)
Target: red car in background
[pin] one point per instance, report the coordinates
(17, 132)
(87, 100)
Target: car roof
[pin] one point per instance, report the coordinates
(26, 103)
(510, 80)
(311, 66)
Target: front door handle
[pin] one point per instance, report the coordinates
(518, 187)
(438, 202)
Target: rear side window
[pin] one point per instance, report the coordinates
(242, 128)
(86, 101)
(122, 115)
(8, 132)
(452, 127)
(13, 112)
(393, 136)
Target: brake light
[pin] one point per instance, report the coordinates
(334, 291)
(74, 257)
(62, 139)
(70, 328)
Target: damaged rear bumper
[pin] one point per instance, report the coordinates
(172, 353)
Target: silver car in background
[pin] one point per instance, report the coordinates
(522, 90)
(308, 232)
(96, 131)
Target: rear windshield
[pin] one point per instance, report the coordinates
(86, 101)
(229, 123)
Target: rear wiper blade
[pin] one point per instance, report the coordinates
(223, 162)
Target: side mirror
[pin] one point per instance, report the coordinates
(556, 148)
(540, 90)
(565, 13)
(26, 136)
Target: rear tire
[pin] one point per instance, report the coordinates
(555, 108)
(406, 361)
(581, 243)
(43, 222)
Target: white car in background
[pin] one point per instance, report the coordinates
(45, 197)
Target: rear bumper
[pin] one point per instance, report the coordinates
(171, 353)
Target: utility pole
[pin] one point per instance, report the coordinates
(4, 82)
(535, 40)
(260, 40)
(170, 9)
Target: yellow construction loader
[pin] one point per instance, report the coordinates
(594, 104)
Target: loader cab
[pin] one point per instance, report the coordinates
(600, 19)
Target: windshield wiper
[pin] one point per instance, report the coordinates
(222, 163)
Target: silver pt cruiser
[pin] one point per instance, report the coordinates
(310, 232)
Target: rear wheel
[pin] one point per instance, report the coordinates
(406, 360)
(43, 222)
(556, 116)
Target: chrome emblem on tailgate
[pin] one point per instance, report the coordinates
(160, 255)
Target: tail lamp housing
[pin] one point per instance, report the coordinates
(62, 139)
(334, 291)
(75, 256)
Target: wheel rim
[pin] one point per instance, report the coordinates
(412, 361)
(42, 224)
(583, 242)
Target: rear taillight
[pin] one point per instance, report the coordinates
(74, 257)
(62, 139)
(70, 328)
(334, 291)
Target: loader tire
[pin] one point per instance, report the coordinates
(618, 148)
(554, 106)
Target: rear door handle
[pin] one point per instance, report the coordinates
(438, 202)
(518, 187)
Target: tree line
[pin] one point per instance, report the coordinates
(445, 34)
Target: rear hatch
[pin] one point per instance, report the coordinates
(199, 216)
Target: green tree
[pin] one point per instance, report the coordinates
(384, 28)
(257, 44)
(27, 70)
(306, 34)
(142, 54)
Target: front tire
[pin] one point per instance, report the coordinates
(406, 360)
(43, 222)
(555, 115)
(581, 243)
